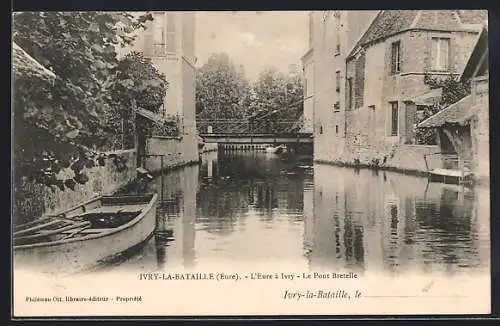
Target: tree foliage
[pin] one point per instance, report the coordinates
(276, 97)
(138, 84)
(56, 125)
(221, 88)
(453, 90)
(272, 103)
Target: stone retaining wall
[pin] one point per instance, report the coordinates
(174, 151)
(34, 200)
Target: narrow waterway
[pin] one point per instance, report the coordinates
(250, 208)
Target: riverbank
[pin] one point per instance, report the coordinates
(479, 181)
(33, 200)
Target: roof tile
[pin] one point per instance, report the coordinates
(388, 22)
(26, 66)
(457, 113)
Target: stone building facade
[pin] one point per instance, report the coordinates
(477, 70)
(463, 127)
(169, 41)
(381, 83)
(331, 36)
(308, 71)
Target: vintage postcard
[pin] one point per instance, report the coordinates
(250, 163)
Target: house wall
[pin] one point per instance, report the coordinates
(178, 65)
(190, 135)
(171, 148)
(329, 124)
(308, 66)
(323, 83)
(480, 130)
(34, 200)
(367, 137)
(171, 66)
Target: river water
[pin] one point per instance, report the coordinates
(243, 208)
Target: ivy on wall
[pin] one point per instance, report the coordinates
(453, 90)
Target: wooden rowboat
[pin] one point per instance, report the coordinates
(86, 235)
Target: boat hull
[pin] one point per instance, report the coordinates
(74, 256)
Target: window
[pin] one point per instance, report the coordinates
(396, 57)
(171, 32)
(440, 54)
(305, 86)
(337, 81)
(320, 130)
(349, 92)
(336, 107)
(158, 35)
(337, 36)
(336, 129)
(394, 110)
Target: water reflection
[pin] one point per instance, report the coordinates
(251, 207)
(394, 223)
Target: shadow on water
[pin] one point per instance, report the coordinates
(246, 207)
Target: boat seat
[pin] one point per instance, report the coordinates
(89, 231)
(114, 209)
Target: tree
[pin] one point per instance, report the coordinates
(221, 88)
(452, 91)
(276, 97)
(57, 125)
(138, 84)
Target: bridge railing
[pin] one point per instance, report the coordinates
(233, 126)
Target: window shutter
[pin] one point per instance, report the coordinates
(434, 53)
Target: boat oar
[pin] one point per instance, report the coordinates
(72, 234)
(32, 223)
(36, 228)
(56, 231)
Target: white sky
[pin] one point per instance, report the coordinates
(256, 40)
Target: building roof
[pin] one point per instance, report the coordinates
(428, 98)
(390, 22)
(306, 55)
(458, 113)
(476, 55)
(155, 117)
(26, 66)
(473, 16)
(149, 115)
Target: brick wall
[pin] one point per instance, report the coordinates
(36, 200)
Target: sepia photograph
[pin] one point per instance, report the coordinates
(250, 163)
